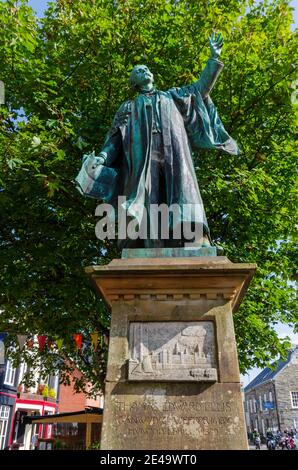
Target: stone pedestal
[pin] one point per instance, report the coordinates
(173, 378)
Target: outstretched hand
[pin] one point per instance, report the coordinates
(216, 43)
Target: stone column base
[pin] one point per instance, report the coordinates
(173, 377)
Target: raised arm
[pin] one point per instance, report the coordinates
(213, 67)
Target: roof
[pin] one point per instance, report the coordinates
(270, 373)
(89, 415)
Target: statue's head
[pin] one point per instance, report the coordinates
(141, 77)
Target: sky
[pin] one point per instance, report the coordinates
(40, 5)
(283, 330)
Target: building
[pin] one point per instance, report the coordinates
(79, 430)
(70, 401)
(77, 426)
(271, 398)
(8, 396)
(18, 402)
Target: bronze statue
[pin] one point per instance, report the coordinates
(146, 156)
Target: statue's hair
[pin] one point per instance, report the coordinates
(131, 81)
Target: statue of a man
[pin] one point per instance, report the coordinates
(150, 145)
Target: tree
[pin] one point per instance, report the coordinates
(65, 76)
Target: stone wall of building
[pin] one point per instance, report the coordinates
(258, 415)
(282, 392)
(286, 382)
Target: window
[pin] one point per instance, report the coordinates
(9, 374)
(54, 383)
(255, 405)
(4, 412)
(270, 397)
(265, 397)
(4, 415)
(23, 370)
(294, 396)
(260, 401)
(2, 351)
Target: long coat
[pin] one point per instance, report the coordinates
(189, 121)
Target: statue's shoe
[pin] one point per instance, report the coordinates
(206, 244)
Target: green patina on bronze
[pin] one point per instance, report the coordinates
(169, 252)
(184, 119)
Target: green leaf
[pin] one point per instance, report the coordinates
(14, 162)
(60, 154)
(35, 141)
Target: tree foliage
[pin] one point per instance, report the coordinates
(65, 75)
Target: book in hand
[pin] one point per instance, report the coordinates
(96, 180)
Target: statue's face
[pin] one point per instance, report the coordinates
(141, 76)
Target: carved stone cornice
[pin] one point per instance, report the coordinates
(165, 279)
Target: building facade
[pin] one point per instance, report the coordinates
(17, 402)
(70, 401)
(271, 398)
(8, 396)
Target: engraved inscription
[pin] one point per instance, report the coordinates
(173, 406)
(172, 351)
(175, 417)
